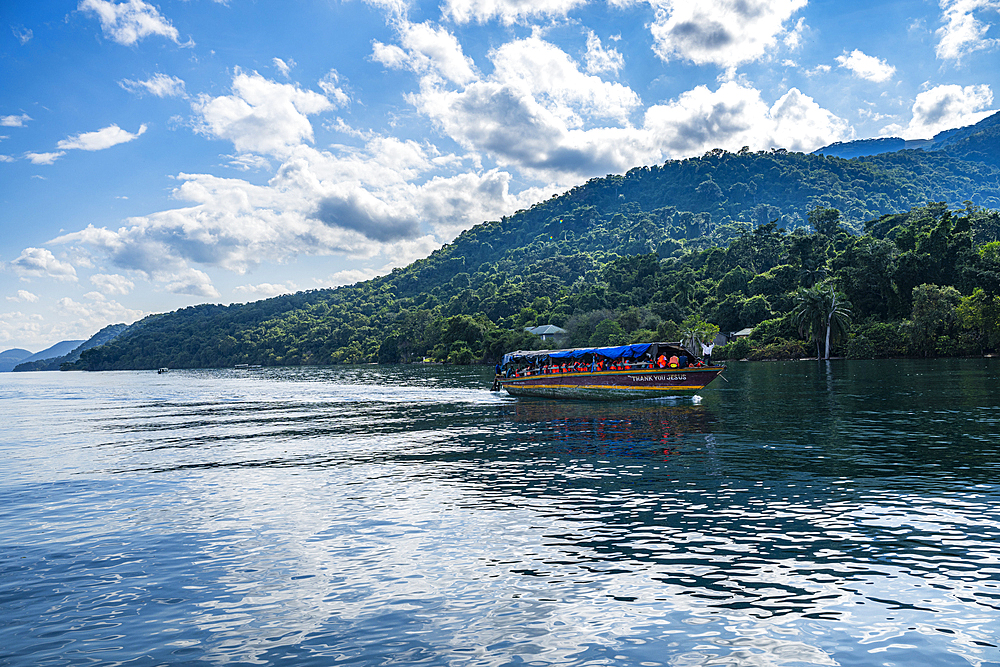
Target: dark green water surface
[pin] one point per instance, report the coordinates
(802, 513)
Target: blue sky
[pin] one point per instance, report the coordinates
(159, 155)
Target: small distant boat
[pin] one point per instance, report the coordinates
(642, 370)
(162, 370)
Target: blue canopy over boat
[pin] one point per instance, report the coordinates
(618, 352)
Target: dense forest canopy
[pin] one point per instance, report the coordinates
(723, 241)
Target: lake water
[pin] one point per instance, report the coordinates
(802, 513)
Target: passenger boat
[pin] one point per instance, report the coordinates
(642, 370)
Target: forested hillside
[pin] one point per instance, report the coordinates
(727, 239)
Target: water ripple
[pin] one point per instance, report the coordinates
(800, 514)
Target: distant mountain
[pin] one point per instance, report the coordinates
(11, 358)
(979, 142)
(105, 335)
(57, 350)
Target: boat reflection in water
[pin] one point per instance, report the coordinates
(641, 370)
(641, 430)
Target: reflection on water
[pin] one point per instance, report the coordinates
(800, 513)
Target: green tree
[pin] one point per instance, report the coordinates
(755, 310)
(388, 351)
(734, 282)
(696, 331)
(609, 332)
(822, 315)
(934, 315)
(759, 249)
(980, 313)
(460, 354)
(825, 221)
(865, 272)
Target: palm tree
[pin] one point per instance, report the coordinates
(809, 314)
(812, 272)
(822, 314)
(838, 318)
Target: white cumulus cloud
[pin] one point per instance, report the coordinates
(360, 202)
(100, 139)
(41, 262)
(724, 32)
(44, 158)
(427, 50)
(507, 11)
(26, 328)
(962, 32)
(537, 111)
(867, 67)
(24, 296)
(266, 290)
(948, 106)
(330, 84)
(92, 315)
(284, 67)
(350, 277)
(532, 110)
(160, 85)
(111, 283)
(547, 73)
(130, 21)
(14, 121)
(735, 115)
(601, 59)
(261, 116)
(187, 280)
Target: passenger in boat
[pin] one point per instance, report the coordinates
(682, 361)
(673, 362)
(706, 351)
(661, 361)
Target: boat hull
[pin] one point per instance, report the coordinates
(614, 385)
